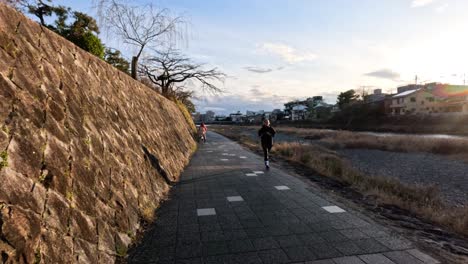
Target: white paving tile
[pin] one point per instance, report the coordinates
(282, 188)
(242, 157)
(206, 211)
(232, 155)
(258, 172)
(209, 151)
(224, 159)
(225, 154)
(333, 209)
(251, 175)
(235, 199)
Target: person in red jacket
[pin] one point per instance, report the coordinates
(202, 131)
(266, 134)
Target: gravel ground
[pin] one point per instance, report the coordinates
(450, 176)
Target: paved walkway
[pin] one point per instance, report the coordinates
(227, 209)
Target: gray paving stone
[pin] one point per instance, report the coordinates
(394, 243)
(348, 248)
(353, 234)
(402, 257)
(325, 251)
(423, 257)
(301, 253)
(288, 241)
(237, 246)
(214, 248)
(273, 256)
(376, 259)
(247, 258)
(210, 236)
(333, 236)
(348, 260)
(189, 250)
(370, 245)
(265, 243)
(311, 239)
(323, 261)
(189, 261)
(235, 234)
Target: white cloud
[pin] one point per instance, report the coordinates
(441, 8)
(255, 99)
(285, 52)
(258, 69)
(421, 3)
(384, 74)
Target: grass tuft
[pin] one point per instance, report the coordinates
(4, 159)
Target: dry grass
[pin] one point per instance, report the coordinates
(423, 201)
(404, 143)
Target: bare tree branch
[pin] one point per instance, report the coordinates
(170, 71)
(142, 27)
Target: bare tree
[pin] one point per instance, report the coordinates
(169, 71)
(142, 27)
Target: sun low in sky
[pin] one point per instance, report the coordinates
(275, 51)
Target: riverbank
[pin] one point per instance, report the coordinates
(412, 124)
(420, 200)
(455, 148)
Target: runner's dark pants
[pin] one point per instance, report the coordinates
(266, 152)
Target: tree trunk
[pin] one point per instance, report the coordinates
(134, 67)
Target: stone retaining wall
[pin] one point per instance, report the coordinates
(85, 151)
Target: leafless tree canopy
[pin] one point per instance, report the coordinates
(170, 71)
(140, 26)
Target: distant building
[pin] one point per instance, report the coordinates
(221, 118)
(277, 114)
(433, 99)
(320, 111)
(300, 106)
(208, 117)
(298, 112)
(409, 87)
(236, 117)
(375, 97)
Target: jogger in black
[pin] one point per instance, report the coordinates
(266, 134)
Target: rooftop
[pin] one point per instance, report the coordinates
(406, 93)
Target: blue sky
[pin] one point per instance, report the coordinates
(275, 51)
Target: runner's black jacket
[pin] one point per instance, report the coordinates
(266, 133)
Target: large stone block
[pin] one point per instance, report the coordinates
(83, 226)
(85, 252)
(57, 213)
(106, 239)
(56, 170)
(25, 153)
(21, 228)
(21, 191)
(55, 247)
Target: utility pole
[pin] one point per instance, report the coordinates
(416, 80)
